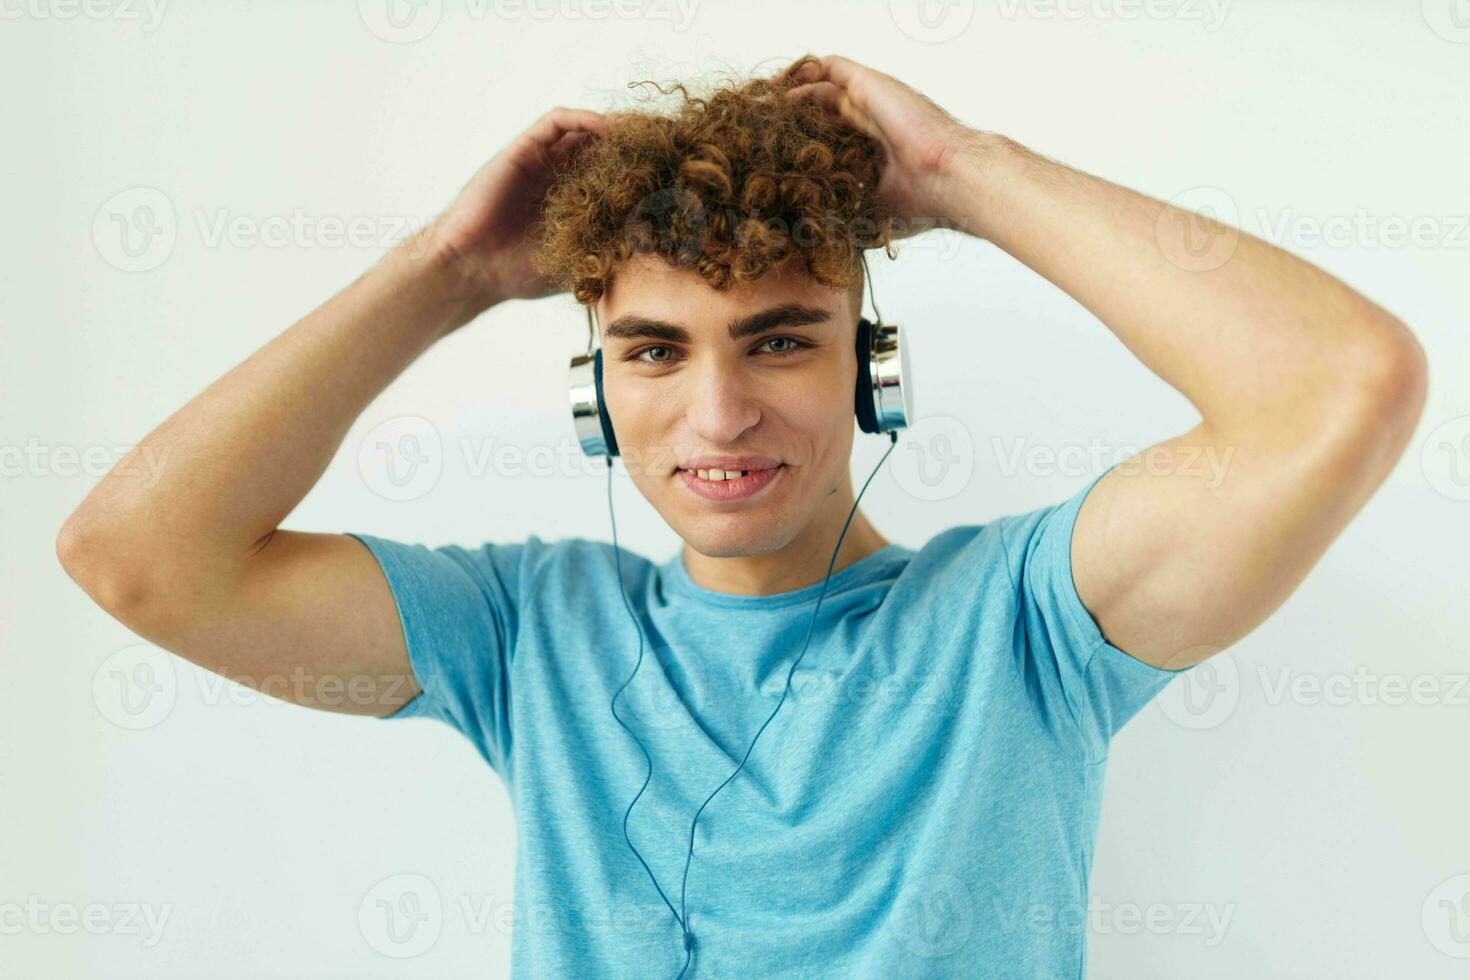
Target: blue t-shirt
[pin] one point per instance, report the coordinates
(925, 802)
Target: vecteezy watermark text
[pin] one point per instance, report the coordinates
(39, 917)
(1209, 461)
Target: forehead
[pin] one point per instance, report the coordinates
(650, 286)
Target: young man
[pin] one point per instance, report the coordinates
(927, 801)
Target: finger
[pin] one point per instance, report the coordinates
(838, 102)
(801, 71)
(568, 146)
(561, 120)
(824, 94)
(830, 68)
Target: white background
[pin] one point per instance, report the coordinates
(1325, 828)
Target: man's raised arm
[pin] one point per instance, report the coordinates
(1308, 392)
(197, 562)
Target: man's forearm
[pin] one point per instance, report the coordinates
(239, 457)
(1259, 341)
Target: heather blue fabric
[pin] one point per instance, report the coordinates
(925, 802)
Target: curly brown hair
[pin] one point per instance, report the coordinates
(730, 184)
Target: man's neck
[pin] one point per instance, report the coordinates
(801, 563)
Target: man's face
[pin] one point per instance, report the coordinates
(680, 387)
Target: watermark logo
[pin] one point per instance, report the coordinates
(401, 916)
(136, 229)
(1206, 695)
(1445, 459)
(934, 915)
(1199, 232)
(402, 458)
(1446, 917)
(671, 221)
(935, 458)
(136, 687)
(651, 700)
(1450, 19)
(400, 21)
(932, 21)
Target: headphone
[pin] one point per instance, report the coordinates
(883, 405)
(883, 400)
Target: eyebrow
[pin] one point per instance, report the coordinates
(632, 326)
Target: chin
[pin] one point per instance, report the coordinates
(715, 532)
(732, 535)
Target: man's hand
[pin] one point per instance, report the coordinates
(920, 140)
(484, 231)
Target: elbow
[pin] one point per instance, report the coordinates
(101, 570)
(1394, 385)
(1380, 397)
(71, 546)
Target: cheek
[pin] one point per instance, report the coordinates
(644, 420)
(821, 405)
(636, 410)
(819, 385)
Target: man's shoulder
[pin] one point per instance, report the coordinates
(999, 548)
(1014, 532)
(569, 559)
(960, 544)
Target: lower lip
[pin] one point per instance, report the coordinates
(723, 490)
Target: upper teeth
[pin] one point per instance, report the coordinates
(721, 474)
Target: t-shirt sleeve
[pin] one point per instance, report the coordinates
(1094, 686)
(459, 611)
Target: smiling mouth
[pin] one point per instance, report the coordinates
(726, 485)
(719, 474)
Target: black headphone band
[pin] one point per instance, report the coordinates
(867, 413)
(604, 419)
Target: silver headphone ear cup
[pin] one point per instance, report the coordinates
(587, 421)
(892, 386)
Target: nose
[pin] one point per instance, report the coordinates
(720, 404)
